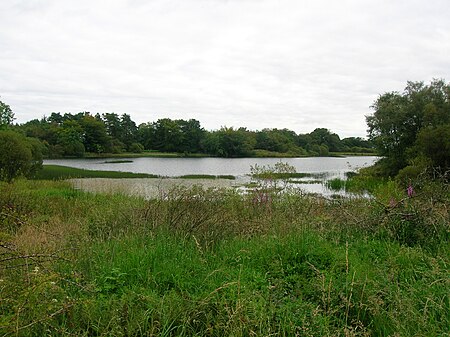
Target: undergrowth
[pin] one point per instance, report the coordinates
(198, 262)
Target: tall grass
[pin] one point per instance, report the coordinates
(199, 262)
(57, 172)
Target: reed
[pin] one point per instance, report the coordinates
(217, 263)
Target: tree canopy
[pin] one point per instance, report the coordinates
(72, 135)
(412, 127)
(6, 115)
(19, 156)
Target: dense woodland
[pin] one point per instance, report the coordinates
(73, 135)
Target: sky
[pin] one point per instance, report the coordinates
(296, 64)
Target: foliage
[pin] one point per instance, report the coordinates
(6, 115)
(412, 124)
(325, 139)
(20, 156)
(229, 142)
(95, 137)
(434, 143)
(136, 148)
(122, 130)
(82, 134)
(215, 263)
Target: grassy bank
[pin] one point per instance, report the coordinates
(206, 176)
(56, 172)
(216, 263)
(156, 154)
(256, 154)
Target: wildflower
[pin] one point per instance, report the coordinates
(410, 191)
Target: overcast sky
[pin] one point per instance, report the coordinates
(256, 63)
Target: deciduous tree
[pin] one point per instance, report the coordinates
(6, 115)
(19, 156)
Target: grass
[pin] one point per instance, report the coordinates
(313, 181)
(287, 175)
(271, 154)
(146, 154)
(117, 161)
(347, 154)
(217, 263)
(354, 183)
(56, 172)
(206, 176)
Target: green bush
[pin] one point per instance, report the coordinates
(19, 156)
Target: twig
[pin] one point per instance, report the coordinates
(42, 319)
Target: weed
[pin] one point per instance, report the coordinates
(213, 262)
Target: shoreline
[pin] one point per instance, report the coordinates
(201, 155)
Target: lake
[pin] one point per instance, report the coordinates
(325, 167)
(172, 167)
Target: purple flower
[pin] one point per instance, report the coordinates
(410, 191)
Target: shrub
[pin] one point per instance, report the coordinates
(136, 148)
(20, 156)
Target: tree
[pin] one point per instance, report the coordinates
(6, 115)
(145, 135)
(357, 144)
(70, 138)
(229, 142)
(325, 138)
(273, 140)
(95, 138)
(434, 144)
(193, 135)
(167, 135)
(405, 126)
(19, 155)
(128, 131)
(112, 124)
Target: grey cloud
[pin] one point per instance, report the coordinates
(260, 64)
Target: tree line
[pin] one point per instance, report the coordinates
(409, 130)
(74, 135)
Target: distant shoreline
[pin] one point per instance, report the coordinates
(202, 155)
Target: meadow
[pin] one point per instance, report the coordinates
(216, 262)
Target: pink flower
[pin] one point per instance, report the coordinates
(410, 191)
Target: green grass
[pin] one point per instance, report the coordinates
(146, 154)
(55, 172)
(355, 183)
(117, 161)
(217, 263)
(347, 154)
(275, 175)
(206, 176)
(313, 181)
(270, 154)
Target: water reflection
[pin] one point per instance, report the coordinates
(319, 168)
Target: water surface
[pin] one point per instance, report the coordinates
(323, 168)
(172, 167)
